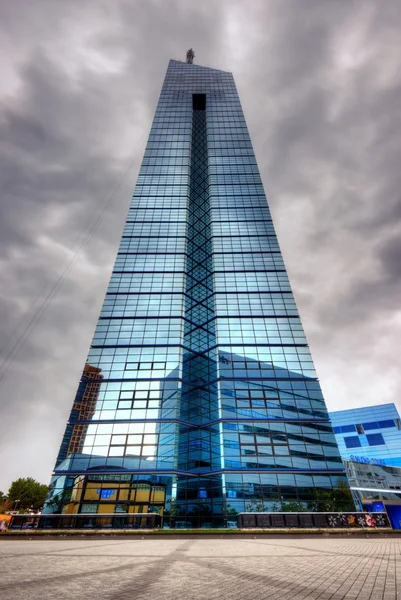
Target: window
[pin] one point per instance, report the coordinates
(359, 428)
(375, 439)
(348, 429)
(89, 508)
(371, 425)
(199, 101)
(352, 441)
(387, 423)
(131, 366)
(106, 494)
(147, 366)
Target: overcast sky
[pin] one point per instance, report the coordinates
(320, 86)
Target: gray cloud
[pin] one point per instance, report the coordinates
(320, 87)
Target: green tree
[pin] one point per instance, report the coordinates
(27, 492)
(256, 505)
(171, 510)
(57, 502)
(325, 501)
(343, 497)
(231, 511)
(338, 499)
(292, 507)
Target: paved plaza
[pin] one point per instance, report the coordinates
(163, 569)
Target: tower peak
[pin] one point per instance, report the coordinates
(190, 56)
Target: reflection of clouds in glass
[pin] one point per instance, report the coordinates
(296, 361)
(123, 439)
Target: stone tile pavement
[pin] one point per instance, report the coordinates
(211, 569)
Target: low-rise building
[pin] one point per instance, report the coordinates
(369, 440)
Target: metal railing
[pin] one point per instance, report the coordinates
(87, 521)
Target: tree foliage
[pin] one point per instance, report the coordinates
(337, 499)
(293, 507)
(56, 503)
(28, 492)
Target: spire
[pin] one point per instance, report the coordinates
(190, 56)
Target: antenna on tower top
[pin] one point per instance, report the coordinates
(190, 56)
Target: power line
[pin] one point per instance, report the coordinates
(27, 331)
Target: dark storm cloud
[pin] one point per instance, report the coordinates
(333, 147)
(320, 87)
(390, 256)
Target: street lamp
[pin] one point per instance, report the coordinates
(16, 503)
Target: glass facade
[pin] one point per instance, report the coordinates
(371, 432)
(203, 399)
(374, 483)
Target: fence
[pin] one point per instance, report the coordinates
(319, 520)
(87, 521)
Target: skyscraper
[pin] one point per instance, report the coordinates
(208, 403)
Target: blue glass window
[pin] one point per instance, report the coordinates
(371, 425)
(352, 441)
(347, 429)
(105, 494)
(387, 423)
(375, 439)
(337, 429)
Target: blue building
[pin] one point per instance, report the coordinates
(372, 433)
(369, 440)
(207, 402)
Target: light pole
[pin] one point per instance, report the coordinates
(16, 503)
